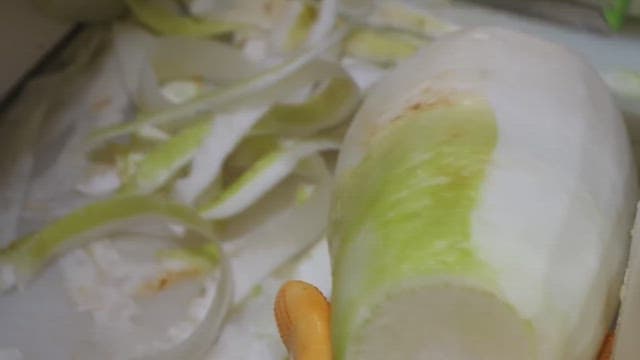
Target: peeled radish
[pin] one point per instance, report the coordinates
(486, 190)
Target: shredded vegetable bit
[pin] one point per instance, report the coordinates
(325, 21)
(384, 47)
(261, 177)
(227, 131)
(362, 72)
(164, 161)
(293, 25)
(328, 108)
(181, 57)
(127, 163)
(180, 91)
(100, 180)
(299, 31)
(153, 134)
(162, 21)
(251, 149)
(202, 259)
(201, 7)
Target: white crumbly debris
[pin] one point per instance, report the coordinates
(100, 180)
(151, 132)
(363, 73)
(177, 230)
(284, 23)
(10, 354)
(256, 49)
(180, 91)
(106, 284)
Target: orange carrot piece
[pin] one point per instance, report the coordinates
(303, 317)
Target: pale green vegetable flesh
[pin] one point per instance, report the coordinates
(414, 193)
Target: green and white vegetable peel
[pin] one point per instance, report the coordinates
(226, 132)
(262, 176)
(474, 218)
(328, 108)
(434, 163)
(161, 163)
(27, 256)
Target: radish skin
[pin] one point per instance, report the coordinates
(486, 190)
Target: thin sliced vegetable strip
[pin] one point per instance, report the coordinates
(382, 47)
(261, 177)
(162, 21)
(28, 256)
(326, 20)
(217, 98)
(177, 57)
(326, 109)
(227, 131)
(161, 163)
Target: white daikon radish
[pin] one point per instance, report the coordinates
(485, 195)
